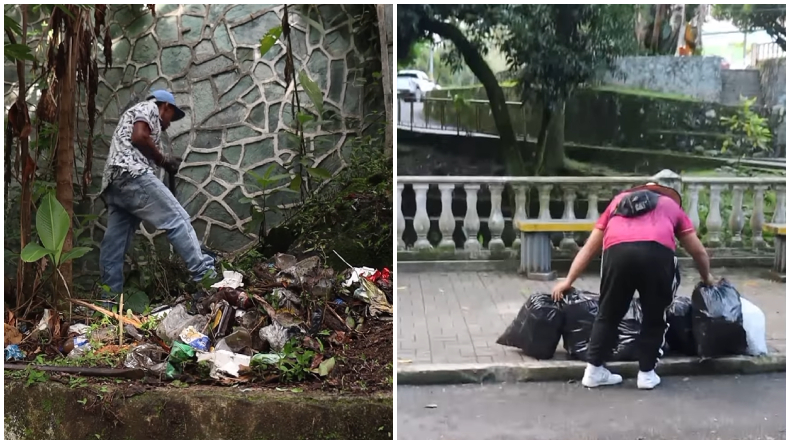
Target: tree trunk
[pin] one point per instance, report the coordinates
(657, 22)
(496, 97)
(384, 13)
(64, 166)
(555, 141)
(24, 277)
(551, 140)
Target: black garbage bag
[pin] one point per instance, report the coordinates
(628, 334)
(537, 328)
(580, 309)
(717, 320)
(680, 335)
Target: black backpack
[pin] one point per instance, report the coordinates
(637, 203)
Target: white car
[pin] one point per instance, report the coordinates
(413, 85)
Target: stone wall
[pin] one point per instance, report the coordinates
(737, 83)
(237, 103)
(773, 78)
(698, 77)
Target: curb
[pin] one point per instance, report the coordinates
(542, 371)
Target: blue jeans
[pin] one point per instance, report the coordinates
(145, 198)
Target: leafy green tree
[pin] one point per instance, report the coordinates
(748, 18)
(553, 49)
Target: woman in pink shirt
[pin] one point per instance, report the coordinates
(637, 233)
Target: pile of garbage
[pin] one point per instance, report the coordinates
(716, 321)
(233, 328)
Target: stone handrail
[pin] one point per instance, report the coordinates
(457, 230)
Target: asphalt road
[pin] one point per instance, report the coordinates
(705, 407)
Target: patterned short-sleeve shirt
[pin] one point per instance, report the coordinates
(125, 157)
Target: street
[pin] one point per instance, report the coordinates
(705, 407)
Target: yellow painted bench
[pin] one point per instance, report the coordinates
(780, 257)
(536, 248)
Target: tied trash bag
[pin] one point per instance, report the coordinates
(628, 333)
(580, 309)
(718, 320)
(537, 328)
(754, 325)
(680, 334)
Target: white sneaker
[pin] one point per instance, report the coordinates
(647, 380)
(598, 376)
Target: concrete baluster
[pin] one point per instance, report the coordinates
(779, 212)
(692, 208)
(592, 204)
(446, 219)
(569, 196)
(521, 212)
(737, 219)
(544, 197)
(714, 222)
(496, 221)
(758, 218)
(421, 222)
(471, 220)
(401, 220)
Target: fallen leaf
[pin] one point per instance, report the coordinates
(325, 367)
(11, 336)
(297, 390)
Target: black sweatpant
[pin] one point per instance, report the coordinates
(651, 269)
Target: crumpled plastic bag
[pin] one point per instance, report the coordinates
(224, 362)
(718, 320)
(81, 345)
(376, 299)
(580, 309)
(149, 357)
(627, 348)
(232, 279)
(754, 325)
(277, 335)
(537, 328)
(680, 334)
(180, 354)
(176, 320)
(298, 273)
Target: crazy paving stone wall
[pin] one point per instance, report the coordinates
(237, 103)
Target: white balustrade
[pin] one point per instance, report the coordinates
(737, 219)
(693, 205)
(472, 220)
(446, 220)
(758, 217)
(421, 222)
(724, 228)
(713, 221)
(496, 222)
(521, 212)
(569, 196)
(780, 211)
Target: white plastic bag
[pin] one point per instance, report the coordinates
(754, 325)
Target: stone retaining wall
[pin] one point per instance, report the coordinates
(121, 411)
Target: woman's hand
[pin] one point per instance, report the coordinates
(560, 288)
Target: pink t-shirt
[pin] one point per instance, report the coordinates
(661, 225)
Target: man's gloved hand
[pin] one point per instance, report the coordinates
(171, 163)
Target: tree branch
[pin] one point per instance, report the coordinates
(496, 96)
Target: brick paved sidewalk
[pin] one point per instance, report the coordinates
(456, 318)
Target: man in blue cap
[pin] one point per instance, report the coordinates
(133, 193)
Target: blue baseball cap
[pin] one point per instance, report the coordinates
(167, 97)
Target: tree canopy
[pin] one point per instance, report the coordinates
(748, 18)
(551, 49)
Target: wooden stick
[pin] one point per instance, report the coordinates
(132, 320)
(120, 323)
